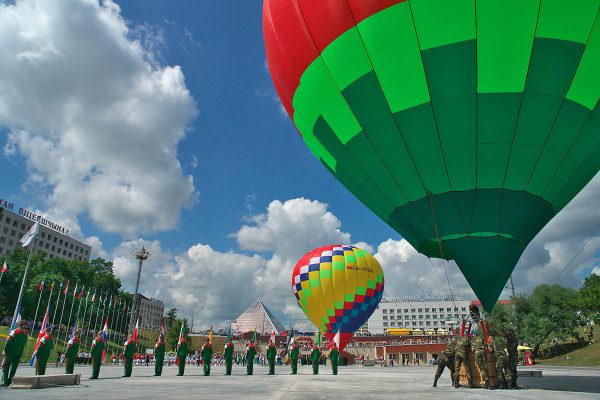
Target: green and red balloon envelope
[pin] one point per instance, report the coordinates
(338, 287)
(466, 125)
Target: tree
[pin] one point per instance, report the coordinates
(589, 297)
(552, 309)
(173, 332)
(171, 317)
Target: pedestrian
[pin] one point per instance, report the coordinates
(250, 354)
(182, 352)
(511, 348)
(271, 352)
(43, 353)
(497, 344)
(206, 353)
(315, 357)
(96, 354)
(159, 356)
(128, 354)
(71, 352)
(480, 353)
(445, 360)
(294, 357)
(461, 356)
(228, 353)
(13, 350)
(334, 356)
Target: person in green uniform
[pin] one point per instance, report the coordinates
(294, 357)
(206, 353)
(480, 352)
(182, 352)
(43, 353)
(228, 357)
(315, 357)
(271, 353)
(334, 356)
(445, 360)
(250, 354)
(461, 356)
(128, 354)
(97, 350)
(511, 347)
(13, 350)
(71, 352)
(159, 356)
(497, 345)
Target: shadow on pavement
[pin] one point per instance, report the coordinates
(586, 384)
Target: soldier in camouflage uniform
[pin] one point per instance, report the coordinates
(461, 356)
(479, 351)
(511, 348)
(445, 360)
(497, 345)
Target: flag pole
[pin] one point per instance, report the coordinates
(57, 303)
(87, 297)
(97, 313)
(109, 322)
(70, 314)
(36, 313)
(79, 307)
(90, 319)
(23, 282)
(55, 348)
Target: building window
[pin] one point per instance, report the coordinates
(70, 255)
(399, 311)
(22, 226)
(385, 317)
(13, 233)
(47, 245)
(392, 316)
(414, 323)
(393, 323)
(421, 316)
(391, 311)
(10, 242)
(55, 239)
(420, 323)
(427, 310)
(385, 324)
(405, 310)
(441, 315)
(434, 316)
(53, 248)
(384, 311)
(2, 239)
(43, 234)
(463, 309)
(414, 317)
(41, 244)
(60, 242)
(448, 310)
(427, 316)
(5, 230)
(420, 310)
(435, 323)
(7, 220)
(434, 310)
(15, 223)
(412, 310)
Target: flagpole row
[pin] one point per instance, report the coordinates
(62, 312)
(109, 322)
(57, 303)
(78, 309)
(97, 313)
(84, 312)
(90, 319)
(36, 314)
(70, 314)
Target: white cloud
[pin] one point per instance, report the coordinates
(365, 246)
(596, 271)
(96, 118)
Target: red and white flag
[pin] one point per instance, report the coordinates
(105, 337)
(135, 331)
(43, 328)
(272, 338)
(4, 267)
(336, 340)
(66, 288)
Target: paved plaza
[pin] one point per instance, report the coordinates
(351, 383)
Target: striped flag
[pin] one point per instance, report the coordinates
(45, 324)
(105, 337)
(135, 331)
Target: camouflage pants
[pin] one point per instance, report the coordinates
(459, 359)
(512, 366)
(444, 362)
(481, 360)
(504, 372)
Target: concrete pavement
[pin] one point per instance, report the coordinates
(351, 383)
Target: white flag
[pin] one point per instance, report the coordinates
(30, 235)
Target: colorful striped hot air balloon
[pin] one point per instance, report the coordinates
(338, 287)
(466, 125)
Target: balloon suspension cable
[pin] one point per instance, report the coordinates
(440, 247)
(575, 256)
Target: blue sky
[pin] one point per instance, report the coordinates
(156, 123)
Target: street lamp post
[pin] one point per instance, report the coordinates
(140, 255)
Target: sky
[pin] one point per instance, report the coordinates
(155, 123)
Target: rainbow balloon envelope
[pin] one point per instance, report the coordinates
(338, 287)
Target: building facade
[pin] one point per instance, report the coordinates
(53, 239)
(151, 312)
(416, 312)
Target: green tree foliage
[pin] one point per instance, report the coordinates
(171, 317)
(96, 274)
(174, 330)
(589, 297)
(552, 310)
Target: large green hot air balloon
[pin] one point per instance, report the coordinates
(466, 125)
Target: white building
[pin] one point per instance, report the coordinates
(151, 312)
(53, 239)
(416, 312)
